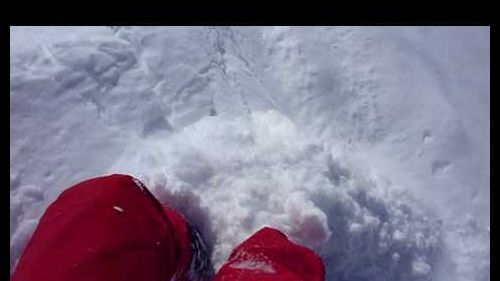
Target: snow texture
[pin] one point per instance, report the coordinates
(368, 145)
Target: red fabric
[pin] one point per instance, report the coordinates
(106, 228)
(112, 228)
(269, 255)
(181, 235)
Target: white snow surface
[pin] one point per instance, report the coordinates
(370, 145)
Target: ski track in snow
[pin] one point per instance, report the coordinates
(369, 145)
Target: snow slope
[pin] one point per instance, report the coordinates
(369, 145)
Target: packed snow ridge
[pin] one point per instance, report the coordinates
(368, 145)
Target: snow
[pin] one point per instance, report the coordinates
(370, 145)
(251, 261)
(254, 265)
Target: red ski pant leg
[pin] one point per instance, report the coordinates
(269, 255)
(107, 228)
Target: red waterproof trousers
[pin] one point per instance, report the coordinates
(112, 228)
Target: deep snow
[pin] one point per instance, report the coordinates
(369, 145)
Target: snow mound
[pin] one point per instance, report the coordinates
(234, 176)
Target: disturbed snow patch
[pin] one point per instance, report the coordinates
(234, 175)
